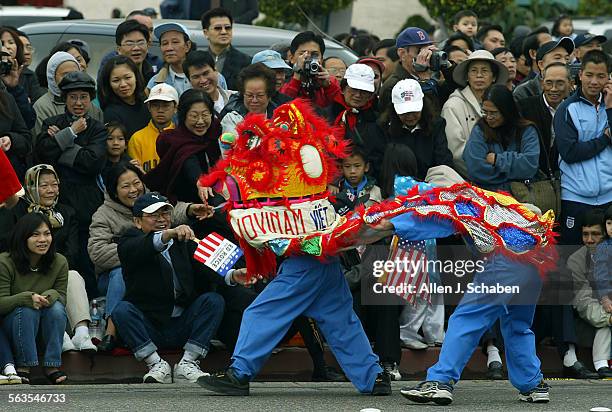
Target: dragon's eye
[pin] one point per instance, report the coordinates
(311, 159)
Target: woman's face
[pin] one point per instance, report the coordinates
(123, 81)
(79, 57)
(65, 68)
(198, 119)
(9, 43)
(491, 114)
(48, 189)
(115, 143)
(410, 119)
(129, 188)
(256, 97)
(480, 76)
(40, 240)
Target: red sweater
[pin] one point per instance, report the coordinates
(10, 184)
(323, 96)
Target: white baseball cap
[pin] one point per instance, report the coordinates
(163, 91)
(360, 76)
(407, 96)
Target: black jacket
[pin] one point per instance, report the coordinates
(234, 62)
(534, 109)
(430, 150)
(29, 82)
(13, 126)
(148, 277)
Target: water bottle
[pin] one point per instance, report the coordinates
(95, 327)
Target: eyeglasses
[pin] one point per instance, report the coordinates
(333, 71)
(29, 48)
(490, 115)
(75, 98)
(227, 27)
(194, 117)
(131, 44)
(254, 97)
(155, 216)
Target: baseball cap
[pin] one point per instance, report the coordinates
(412, 36)
(546, 48)
(166, 27)
(163, 91)
(150, 202)
(587, 38)
(372, 61)
(272, 59)
(360, 76)
(407, 96)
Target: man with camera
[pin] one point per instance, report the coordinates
(310, 79)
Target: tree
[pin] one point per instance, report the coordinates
(446, 9)
(595, 8)
(281, 13)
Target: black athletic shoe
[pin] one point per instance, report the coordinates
(579, 371)
(225, 383)
(429, 391)
(494, 371)
(382, 385)
(539, 394)
(328, 374)
(604, 372)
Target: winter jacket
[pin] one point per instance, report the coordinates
(511, 163)
(29, 82)
(534, 109)
(133, 116)
(323, 96)
(461, 112)
(49, 106)
(13, 126)
(529, 88)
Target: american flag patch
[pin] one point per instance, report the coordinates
(217, 253)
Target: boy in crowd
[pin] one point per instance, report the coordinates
(162, 103)
(355, 187)
(466, 22)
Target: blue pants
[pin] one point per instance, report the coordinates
(22, 325)
(113, 285)
(477, 312)
(305, 286)
(6, 353)
(194, 329)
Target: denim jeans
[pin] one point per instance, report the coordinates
(112, 284)
(22, 326)
(6, 353)
(194, 329)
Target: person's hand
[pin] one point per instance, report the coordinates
(79, 125)
(39, 301)
(181, 233)
(323, 77)
(200, 211)
(299, 65)
(204, 193)
(384, 225)
(333, 190)
(53, 130)
(136, 164)
(490, 159)
(606, 303)
(423, 60)
(240, 276)
(12, 78)
(608, 94)
(5, 143)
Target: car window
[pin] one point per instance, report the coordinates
(99, 46)
(43, 43)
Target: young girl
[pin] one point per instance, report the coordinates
(563, 27)
(116, 146)
(33, 282)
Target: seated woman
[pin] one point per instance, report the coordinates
(189, 150)
(33, 281)
(42, 192)
(503, 147)
(75, 144)
(124, 184)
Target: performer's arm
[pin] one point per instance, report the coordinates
(411, 227)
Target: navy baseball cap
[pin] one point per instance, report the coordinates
(587, 38)
(150, 202)
(412, 36)
(546, 48)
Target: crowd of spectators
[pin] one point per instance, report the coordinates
(110, 166)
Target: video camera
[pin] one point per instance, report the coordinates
(437, 61)
(5, 64)
(309, 72)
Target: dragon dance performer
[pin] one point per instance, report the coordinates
(275, 177)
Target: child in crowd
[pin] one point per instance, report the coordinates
(355, 187)
(603, 265)
(162, 104)
(116, 146)
(466, 22)
(563, 27)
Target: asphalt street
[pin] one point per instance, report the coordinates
(572, 395)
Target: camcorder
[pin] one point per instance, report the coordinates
(5, 64)
(309, 73)
(437, 61)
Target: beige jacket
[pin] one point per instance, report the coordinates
(108, 223)
(461, 112)
(588, 307)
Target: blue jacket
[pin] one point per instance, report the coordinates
(602, 271)
(586, 152)
(511, 164)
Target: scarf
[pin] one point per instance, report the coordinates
(349, 116)
(32, 197)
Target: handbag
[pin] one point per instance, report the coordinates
(544, 190)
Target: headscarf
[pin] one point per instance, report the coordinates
(32, 197)
(52, 65)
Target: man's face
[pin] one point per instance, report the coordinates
(408, 54)
(381, 54)
(219, 32)
(592, 236)
(508, 60)
(353, 169)
(558, 54)
(593, 78)
(173, 47)
(161, 112)
(135, 46)
(467, 25)
(556, 85)
(154, 222)
(306, 49)
(582, 50)
(356, 98)
(457, 56)
(493, 40)
(204, 78)
(336, 68)
(28, 50)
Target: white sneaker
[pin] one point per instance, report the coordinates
(14, 379)
(188, 372)
(159, 373)
(83, 343)
(67, 344)
(414, 344)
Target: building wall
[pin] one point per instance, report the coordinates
(384, 17)
(102, 9)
